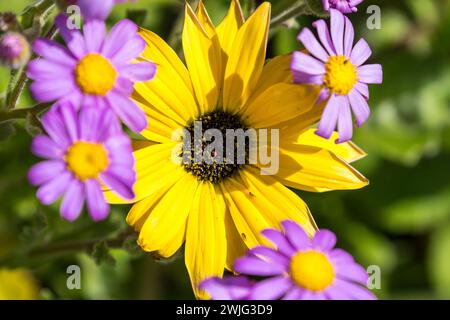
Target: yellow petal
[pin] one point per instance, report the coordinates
(229, 27)
(256, 203)
(140, 211)
(160, 126)
(347, 151)
(235, 244)
(203, 58)
(204, 19)
(279, 103)
(276, 70)
(290, 129)
(170, 92)
(206, 243)
(246, 59)
(155, 169)
(164, 230)
(315, 169)
(277, 201)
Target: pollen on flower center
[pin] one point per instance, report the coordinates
(311, 270)
(95, 75)
(86, 159)
(207, 169)
(340, 75)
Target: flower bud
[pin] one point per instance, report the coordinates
(14, 50)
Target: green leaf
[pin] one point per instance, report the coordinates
(418, 213)
(138, 16)
(7, 130)
(101, 254)
(439, 261)
(315, 7)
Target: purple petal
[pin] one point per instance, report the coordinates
(98, 208)
(50, 90)
(45, 147)
(72, 38)
(270, 289)
(345, 123)
(89, 118)
(55, 127)
(294, 293)
(334, 293)
(119, 35)
(270, 255)
(278, 239)
(371, 73)
(54, 52)
(117, 185)
(324, 36)
(323, 96)
(130, 114)
(295, 234)
(124, 86)
(94, 33)
(339, 256)
(70, 119)
(352, 272)
(359, 106)
(142, 71)
(50, 192)
(227, 288)
(130, 50)
(47, 70)
(311, 295)
(302, 62)
(324, 240)
(329, 117)
(312, 45)
(349, 37)
(360, 53)
(257, 267)
(73, 201)
(337, 30)
(45, 171)
(98, 10)
(355, 291)
(301, 77)
(362, 89)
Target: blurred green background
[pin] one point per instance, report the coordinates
(401, 222)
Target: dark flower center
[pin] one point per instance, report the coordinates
(215, 164)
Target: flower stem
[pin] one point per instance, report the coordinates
(285, 10)
(19, 80)
(22, 112)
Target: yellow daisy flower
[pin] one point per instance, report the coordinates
(17, 284)
(219, 210)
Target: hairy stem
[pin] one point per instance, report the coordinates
(288, 9)
(23, 112)
(14, 94)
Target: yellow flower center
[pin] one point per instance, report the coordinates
(311, 270)
(340, 75)
(86, 159)
(94, 74)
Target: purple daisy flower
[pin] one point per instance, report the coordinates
(94, 69)
(338, 67)
(14, 50)
(228, 288)
(298, 268)
(344, 6)
(84, 150)
(97, 9)
(301, 268)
